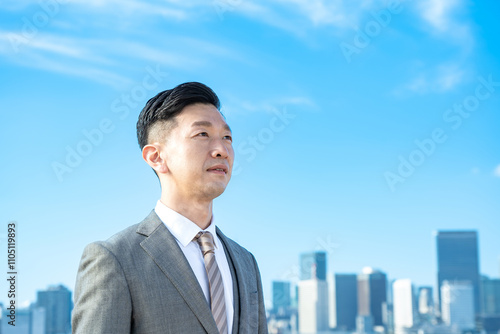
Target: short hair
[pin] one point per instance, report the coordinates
(162, 109)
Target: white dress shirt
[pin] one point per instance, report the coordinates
(184, 230)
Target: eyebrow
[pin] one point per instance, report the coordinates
(209, 124)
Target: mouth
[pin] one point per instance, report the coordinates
(218, 169)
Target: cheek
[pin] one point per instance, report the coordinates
(194, 158)
(181, 159)
(230, 151)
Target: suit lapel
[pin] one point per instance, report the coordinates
(241, 277)
(161, 245)
(236, 297)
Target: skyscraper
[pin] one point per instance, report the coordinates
(313, 306)
(56, 301)
(313, 294)
(22, 322)
(457, 259)
(404, 305)
(307, 260)
(372, 294)
(425, 302)
(490, 296)
(343, 303)
(457, 308)
(37, 320)
(281, 296)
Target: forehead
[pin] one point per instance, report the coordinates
(200, 114)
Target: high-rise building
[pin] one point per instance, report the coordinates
(403, 305)
(364, 324)
(332, 305)
(56, 301)
(37, 320)
(313, 306)
(457, 259)
(425, 304)
(343, 301)
(372, 294)
(295, 297)
(281, 296)
(313, 295)
(22, 322)
(457, 308)
(307, 260)
(490, 296)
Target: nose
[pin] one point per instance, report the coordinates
(221, 149)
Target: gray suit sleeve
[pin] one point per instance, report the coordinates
(262, 310)
(102, 297)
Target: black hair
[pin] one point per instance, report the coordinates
(169, 103)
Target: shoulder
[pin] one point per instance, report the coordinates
(129, 238)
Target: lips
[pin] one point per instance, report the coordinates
(222, 169)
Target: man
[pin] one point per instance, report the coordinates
(175, 272)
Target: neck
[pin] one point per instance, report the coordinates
(199, 212)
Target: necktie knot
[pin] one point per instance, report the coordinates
(206, 242)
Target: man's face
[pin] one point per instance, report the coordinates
(199, 153)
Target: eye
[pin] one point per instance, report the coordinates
(203, 134)
(230, 138)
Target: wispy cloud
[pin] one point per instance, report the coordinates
(64, 56)
(496, 172)
(86, 71)
(237, 104)
(299, 16)
(441, 78)
(294, 16)
(106, 60)
(436, 12)
(444, 19)
(318, 12)
(171, 9)
(449, 76)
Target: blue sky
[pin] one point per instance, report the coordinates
(360, 127)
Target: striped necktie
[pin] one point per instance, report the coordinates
(217, 300)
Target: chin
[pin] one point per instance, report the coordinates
(214, 190)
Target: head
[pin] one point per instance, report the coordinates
(186, 140)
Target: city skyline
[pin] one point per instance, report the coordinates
(369, 302)
(326, 290)
(301, 273)
(360, 127)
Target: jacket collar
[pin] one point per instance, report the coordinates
(161, 245)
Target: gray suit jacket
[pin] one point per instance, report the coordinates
(139, 281)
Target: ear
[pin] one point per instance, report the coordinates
(151, 154)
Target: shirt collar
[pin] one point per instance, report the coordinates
(183, 229)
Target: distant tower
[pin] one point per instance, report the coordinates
(306, 264)
(22, 322)
(56, 301)
(490, 296)
(425, 303)
(37, 320)
(458, 305)
(364, 324)
(313, 304)
(372, 294)
(281, 296)
(458, 260)
(343, 303)
(404, 305)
